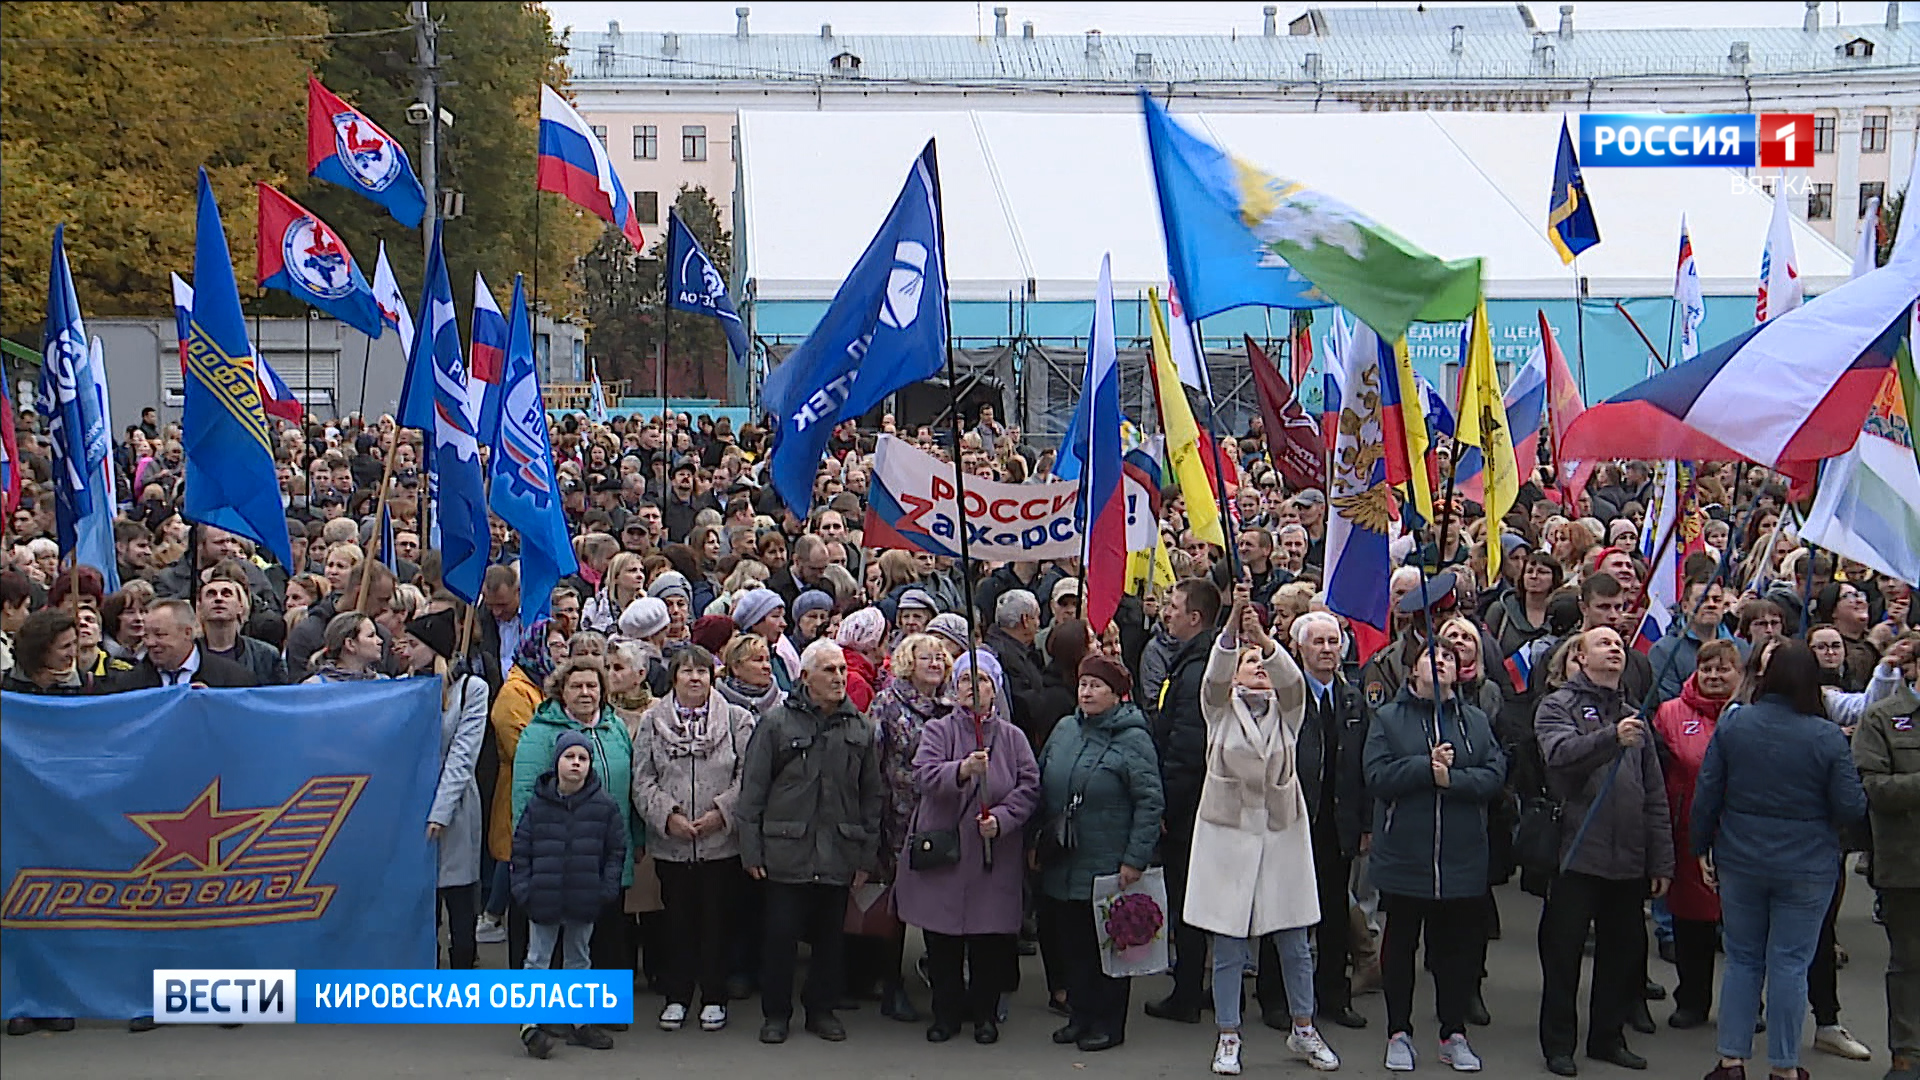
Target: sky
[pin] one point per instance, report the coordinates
(1145, 18)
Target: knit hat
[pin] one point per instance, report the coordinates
(809, 601)
(671, 583)
(951, 627)
(916, 598)
(756, 604)
(644, 618)
(1107, 672)
(435, 631)
(863, 630)
(572, 738)
(712, 632)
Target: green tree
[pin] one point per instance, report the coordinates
(624, 292)
(107, 110)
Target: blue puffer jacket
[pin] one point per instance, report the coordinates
(569, 851)
(1430, 841)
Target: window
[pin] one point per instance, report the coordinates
(1873, 134)
(1869, 191)
(693, 142)
(733, 144)
(600, 132)
(646, 142)
(1823, 134)
(1820, 203)
(647, 205)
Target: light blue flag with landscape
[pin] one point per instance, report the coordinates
(886, 328)
(525, 492)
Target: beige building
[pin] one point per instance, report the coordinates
(668, 102)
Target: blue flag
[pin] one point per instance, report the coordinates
(388, 558)
(71, 399)
(1570, 223)
(886, 328)
(525, 491)
(150, 830)
(435, 398)
(223, 424)
(695, 285)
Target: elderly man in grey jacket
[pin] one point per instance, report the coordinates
(1616, 844)
(809, 820)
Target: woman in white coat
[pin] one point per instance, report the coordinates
(1251, 872)
(453, 823)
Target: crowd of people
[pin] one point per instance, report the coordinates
(740, 730)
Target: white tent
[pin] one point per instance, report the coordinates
(1034, 199)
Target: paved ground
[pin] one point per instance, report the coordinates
(882, 1048)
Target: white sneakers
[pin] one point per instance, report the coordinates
(1309, 1047)
(713, 1017)
(1455, 1052)
(1838, 1041)
(1226, 1055)
(1400, 1055)
(673, 1017)
(488, 930)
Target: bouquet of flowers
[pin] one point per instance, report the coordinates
(1131, 923)
(1133, 920)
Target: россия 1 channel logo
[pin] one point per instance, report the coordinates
(1679, 140)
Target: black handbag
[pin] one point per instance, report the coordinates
(932, 849)
(1536, 844)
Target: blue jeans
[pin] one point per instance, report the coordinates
(496, 880)
(1233, 956)
(577, 944)
(1772, 927)
(1662, 921)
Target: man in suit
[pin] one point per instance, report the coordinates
(1328, 763)
(174, 658)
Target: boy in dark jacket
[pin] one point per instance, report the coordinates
(569, 851)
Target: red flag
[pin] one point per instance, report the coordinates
(1563, 408)
(1292, 438)
(1302, 347)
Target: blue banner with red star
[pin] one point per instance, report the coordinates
(283, 827)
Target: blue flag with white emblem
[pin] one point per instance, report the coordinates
(71, 398)
(223, 424)
(886, 328)
(694, 284)
(525, 492)
(435, 398)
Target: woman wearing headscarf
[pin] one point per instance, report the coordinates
(1101, 808)
(425, 646)
(975, 769)
(1251, 870)
(1776, 788)
(521, 693)
(686, 779)
(762, 612)
(900, 713)
(862, 637)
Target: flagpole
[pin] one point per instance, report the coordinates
(960, 486)
(1673, 304)
(666, 326)
(1219, 470)
(306, 380)
(533, 300)
(366, 361)
(1580, 325)
(380, 508)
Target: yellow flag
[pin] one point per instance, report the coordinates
(1183, 435)
(1146, 568)
(1413, 421)
(1483, 423)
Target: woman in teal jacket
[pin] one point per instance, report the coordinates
(577, 701)
(1101, 807)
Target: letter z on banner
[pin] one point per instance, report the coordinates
(913, 504)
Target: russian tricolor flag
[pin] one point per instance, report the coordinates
(275, 395)
(573, 163)
(1102, 509)
(1787, 393)
(487, 358)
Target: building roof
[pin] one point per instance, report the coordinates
(1402, 21)
(1033, 200)
(1357, 45)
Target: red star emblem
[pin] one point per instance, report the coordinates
(195, 833)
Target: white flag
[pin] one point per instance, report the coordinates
(393, 307)
(1780, 288)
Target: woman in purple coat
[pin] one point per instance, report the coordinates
(977, 773)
